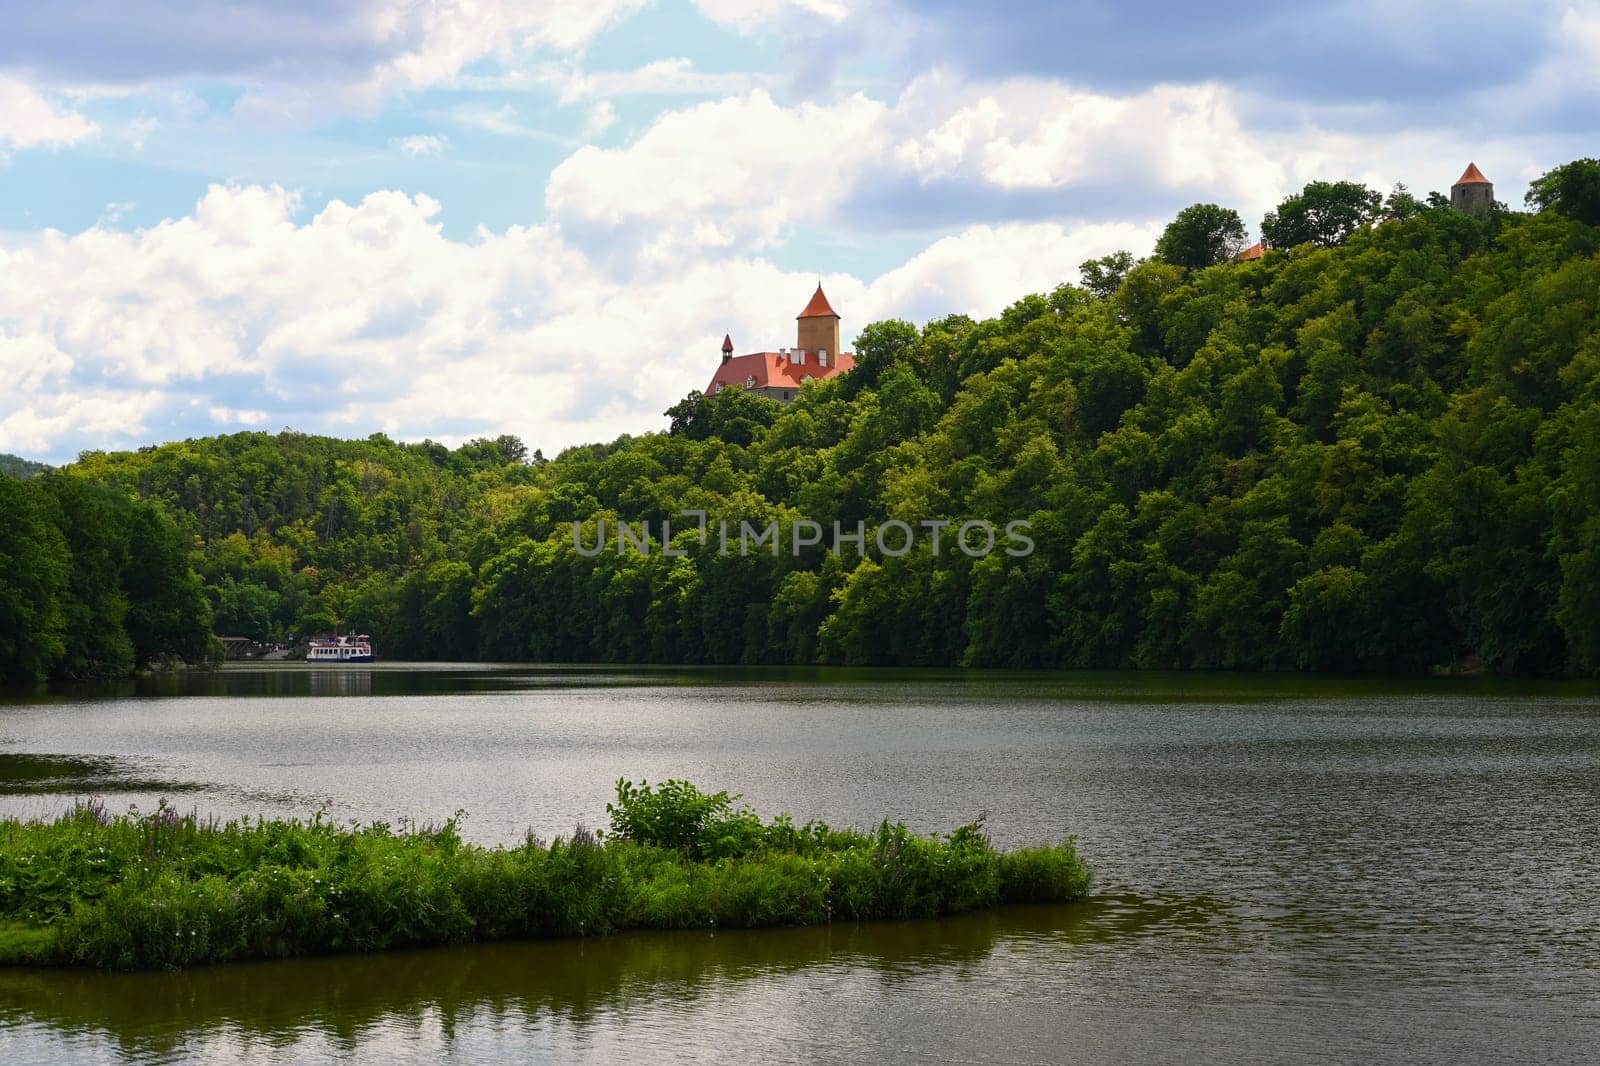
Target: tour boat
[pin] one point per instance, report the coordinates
(340, 650)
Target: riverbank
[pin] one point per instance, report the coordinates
(143, 891)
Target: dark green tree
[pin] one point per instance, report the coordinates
(1202, 235)
(1323, 213)
(1103, 276)
(1572, 189)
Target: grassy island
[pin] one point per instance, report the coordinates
(169, 890)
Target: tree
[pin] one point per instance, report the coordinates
(1323, 213)
(1572, 189)
(1202, 235)
(735, 415)
(22, 469)
(34, 570)
(1103, 276)
(879, 348)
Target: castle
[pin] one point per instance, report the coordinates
(779, 375)
(1474, 193)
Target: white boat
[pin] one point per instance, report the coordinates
(340, 650)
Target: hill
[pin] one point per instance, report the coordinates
(1379, 454)
(19, 468)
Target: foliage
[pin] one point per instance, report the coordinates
(1102, 277)
(93, 583)
(1324, 213)
(1202, 235)
(1572, 189)
(19, 468)
(166, 890)
(1377, 454)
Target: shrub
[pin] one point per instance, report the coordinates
(168, 890)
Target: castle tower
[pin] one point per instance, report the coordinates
(819, 329)
(727, 347)
(1474, 193)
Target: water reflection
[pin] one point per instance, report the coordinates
(27, 773)
(578, 985)
(340, 682)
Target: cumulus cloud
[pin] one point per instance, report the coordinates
(292, 53)
(988, 179)
(985, 269)
(28, 120)
(227, 416)
(747, 172)
(365, 317)
(736, 172)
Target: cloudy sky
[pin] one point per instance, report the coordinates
(461, 218)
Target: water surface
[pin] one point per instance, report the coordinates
(1287, 868)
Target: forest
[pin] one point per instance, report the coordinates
(1377, 448)
(18, 467)
(93, 583)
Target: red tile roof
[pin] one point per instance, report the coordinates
(1474, 176)
(818, 307)
(1255, 251)
(727, 343)
(774, 370)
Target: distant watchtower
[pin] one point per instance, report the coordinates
(819, 328)
(1474, 193)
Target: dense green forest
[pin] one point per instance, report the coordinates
(18, 467)
(1376, 448)
(93, 583)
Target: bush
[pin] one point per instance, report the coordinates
(164, 890)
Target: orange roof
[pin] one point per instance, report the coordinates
(1255, 251)
(774, 370)
(818, 307)
(1474, 176)
(727, 343)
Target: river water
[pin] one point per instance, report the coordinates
(1288, 869)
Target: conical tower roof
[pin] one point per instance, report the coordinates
(818, 307)
(727, 343)
(1474, 176)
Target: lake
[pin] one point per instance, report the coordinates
(1288, 869)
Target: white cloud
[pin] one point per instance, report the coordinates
(1029, 134)
(421, 144)
(602, 116)
(43, 424)
(985, 269)
(748, 15)
(228, 416)
(663, 77)
(736, 172)
(410, 46)
(366, 317)
(28, 120)
(502, 121)
(451, 35)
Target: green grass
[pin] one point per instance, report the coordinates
(164, 890)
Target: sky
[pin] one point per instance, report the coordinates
(539, 217)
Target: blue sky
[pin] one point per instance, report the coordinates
(539, 217)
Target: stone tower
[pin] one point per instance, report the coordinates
(1474, 193)
(819, 328)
